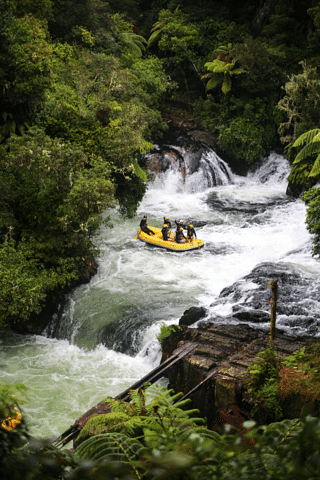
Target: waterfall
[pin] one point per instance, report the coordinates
(188, 170)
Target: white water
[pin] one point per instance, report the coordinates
(243, 223)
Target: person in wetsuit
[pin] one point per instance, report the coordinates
(191, 232)
(165, 231)
(147, 230)
(166, 220)
(179, 232)
(143, 222)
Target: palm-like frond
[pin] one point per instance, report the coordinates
(156, 32)
(217, 66)
(316, 168)
(226, 85)
(135, 43)
(214, 82)
(306, 137)
(309, 150)
(115, 446)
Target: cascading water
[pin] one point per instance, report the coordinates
(105, 338)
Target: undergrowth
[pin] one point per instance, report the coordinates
(281, 388)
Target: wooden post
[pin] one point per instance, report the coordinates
(273, 302)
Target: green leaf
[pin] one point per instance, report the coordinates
(214, 81)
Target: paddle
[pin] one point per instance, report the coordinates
(136, 237)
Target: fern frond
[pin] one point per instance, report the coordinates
(226, 85)
(308, 150)
(103, 423)
(214, 82)
(154, 37)
(306, 137)
(203, 432)
(138, 401)
(217, 66)
(190, 422)
(116, 445)
(316, 168)
(134, 42)
(171, 396)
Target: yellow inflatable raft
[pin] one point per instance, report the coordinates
(170, 244)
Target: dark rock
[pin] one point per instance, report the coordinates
(250, 297)
(255, 316)
(294, 190)
(192, 315)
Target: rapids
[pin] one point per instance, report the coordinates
(104, 338)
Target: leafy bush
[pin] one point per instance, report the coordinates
(165, 331)
(262, 383)
(245, 140)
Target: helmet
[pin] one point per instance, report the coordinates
(165, 225)
(181, 221)
(167, 218)
(191, 226)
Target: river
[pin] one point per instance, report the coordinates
(106, 339)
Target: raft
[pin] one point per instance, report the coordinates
(157, 241)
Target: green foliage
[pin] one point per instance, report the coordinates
(165, 331)
(311, 149)
(25, 64)
(162, 415)
(286, 450)
(262, 383)
(114, 446)
(222, 69)
(24, 284)
(245, 140)
(49, 208)
(177, 39)
(300, 103)
(295, 359)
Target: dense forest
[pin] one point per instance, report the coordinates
(84, 86)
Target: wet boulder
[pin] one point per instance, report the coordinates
(192, 315)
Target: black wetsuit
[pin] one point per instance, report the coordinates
(147, 230)
(191, 232)
(164, 232)
(167, 222)
(179, 234)
(143, 223)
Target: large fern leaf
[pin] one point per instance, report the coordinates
(135, 43)
(217, 66)
(117, 446)
(214, 81)
(316, 168)
(103, 423)
(226, 85)
(309, 150)
(306, 137)
(202, 432)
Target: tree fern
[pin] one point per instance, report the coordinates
(156, 32)
(135, 43)
(159, 417)
(221, 71)
(311, 149)
(306, 137)
(115, 446)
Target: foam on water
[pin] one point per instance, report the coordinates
(66, 380)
